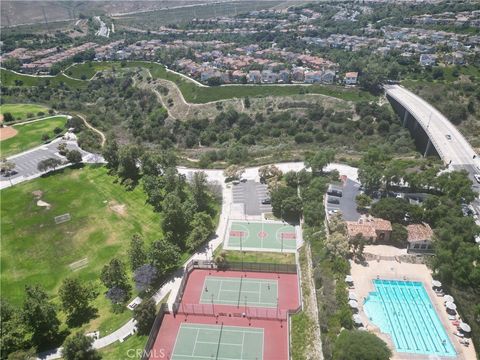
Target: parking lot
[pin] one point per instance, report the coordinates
(251, 194)
(347, 204)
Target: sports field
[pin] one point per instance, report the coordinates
(239, 291)
(261, 236)
(222, 342)
(30, 135)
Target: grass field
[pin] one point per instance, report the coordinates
(21, 111)
(103, 218)
(196, 94)
(9, 78)
(30, 135)
(130, 349)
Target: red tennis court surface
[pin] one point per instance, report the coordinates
(288, 298)
(275, 330)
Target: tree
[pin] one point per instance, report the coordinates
(75, 299)
(337, 244)
(45, 137)
(268, 172)
(145, 314)
(202, 227)
(8, 117)
(370, 176)
(392, 209)
(114, 275)
(116, 295)
(47, 164)
(40, 315)
(79, 347)
(399, 235)
(319, 160)
(278, 195)
(175, 223)
(13, 330)
(110, 153)
(363, 201)
(246, 102)
(291, 179)
(200, 190)
(360, 345)
(62, 149)
(164, 256)
(144, 277)
(28, 354)
(136, 253)
(233, 172)
(128, 157)
(292, 208)
(6, 168)
(74, 157)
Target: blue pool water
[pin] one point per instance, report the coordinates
(403, 310)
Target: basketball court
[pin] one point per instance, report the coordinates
(222, 342)
(240, 291)
(261, 236)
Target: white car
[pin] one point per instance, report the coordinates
(477, 177)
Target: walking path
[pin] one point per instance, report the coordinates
(206, 252)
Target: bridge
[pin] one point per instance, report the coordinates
(434, 134)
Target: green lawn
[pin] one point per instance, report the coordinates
(131, 348)
(103, 218)
(196, 94)
(9, 78)
(21, 111)
(30, 135)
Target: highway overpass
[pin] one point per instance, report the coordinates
(434, 133)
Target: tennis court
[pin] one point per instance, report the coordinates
(240, 291)
(260, 236)
(202, 341)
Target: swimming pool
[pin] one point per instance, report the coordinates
(403, 310)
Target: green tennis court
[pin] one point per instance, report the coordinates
(260, 236)
(201, 341)
(239, 291)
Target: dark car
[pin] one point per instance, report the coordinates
(266, 201)
(333, 200)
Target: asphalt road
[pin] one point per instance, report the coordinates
(456, 151)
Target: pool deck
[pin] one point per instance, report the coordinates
(391, 270)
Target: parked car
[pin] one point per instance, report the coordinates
(333, 200)
(266, 201)
(477, 177)
(448, 136)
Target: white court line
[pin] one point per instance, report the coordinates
(195, 344)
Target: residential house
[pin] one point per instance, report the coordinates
(254, 76)
(269, 77)
(328, 77)
(313, 77)
(428, 59)
(419, 238)
(298, 74)
(351, 78)
(370, 228)
(238, 76)
(284, 76)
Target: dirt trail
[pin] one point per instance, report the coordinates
(102, 135)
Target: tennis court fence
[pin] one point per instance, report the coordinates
(242, 311)
(232, 266)
(154, 331)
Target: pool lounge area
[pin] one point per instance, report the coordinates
(403, 310)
